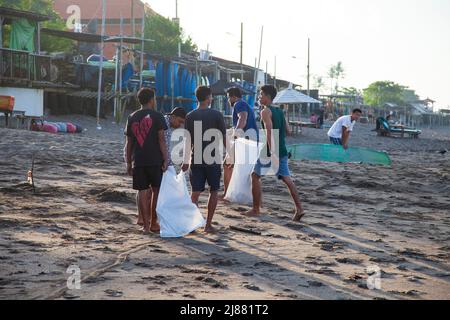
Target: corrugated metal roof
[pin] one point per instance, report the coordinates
(13, 13)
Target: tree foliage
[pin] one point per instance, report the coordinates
(48, 43)
(319, 83)
(382, 92)
(336, 72)
(167, 35)
(350, 91)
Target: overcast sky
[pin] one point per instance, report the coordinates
(407, 41)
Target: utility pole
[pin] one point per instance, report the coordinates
(275, 73)
(309, 106)
(242, 43)
(132, 19)
(99, 92)
(267, 71)
(177, 21)
(259, 62)
(242, 51)
(142, 49)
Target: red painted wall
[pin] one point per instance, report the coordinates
(92, 9)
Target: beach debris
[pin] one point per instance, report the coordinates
(30, 175)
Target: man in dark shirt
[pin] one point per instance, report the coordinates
(204, 151)
(146, 155)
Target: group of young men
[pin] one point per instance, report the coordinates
(148, 150)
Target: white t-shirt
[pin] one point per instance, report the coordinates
(336, 129)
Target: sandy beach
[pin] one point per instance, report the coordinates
(359, 218)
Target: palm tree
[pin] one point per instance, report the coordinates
(340, 73)
(318, 82)
(332, 76)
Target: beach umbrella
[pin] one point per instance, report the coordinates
(292, 96)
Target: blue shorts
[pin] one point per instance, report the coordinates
(283, 170)
(201, 174)
(336, 141)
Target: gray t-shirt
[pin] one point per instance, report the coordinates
(209, 119)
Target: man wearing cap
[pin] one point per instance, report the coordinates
(174, 120)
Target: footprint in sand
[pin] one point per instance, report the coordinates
(315, 284)
(70, 296)
(349, 261)
(212, 282)
(252, 287)
(77, 173)
(114, 293)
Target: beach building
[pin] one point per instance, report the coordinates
(25, 72)
(86, 16)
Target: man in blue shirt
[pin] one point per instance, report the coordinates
(244, 125)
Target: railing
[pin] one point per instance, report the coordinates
(23, 65)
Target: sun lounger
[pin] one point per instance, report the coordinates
(386, 130)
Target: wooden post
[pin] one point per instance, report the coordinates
(119, 105)
(172, 81)
(1, 31)
(38, 46)
(1, 45)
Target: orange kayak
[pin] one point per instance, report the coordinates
(7, 103)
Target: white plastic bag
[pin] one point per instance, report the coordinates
(240, 187)
(178, 216)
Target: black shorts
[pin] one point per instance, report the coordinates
(202, 174)
(146, 177)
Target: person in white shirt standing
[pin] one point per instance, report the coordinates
(340, 131)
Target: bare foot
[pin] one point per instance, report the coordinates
(155, 228)
(252, 213)
(299, 214)
(210, 229)
(146, 231)
(221, 198)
